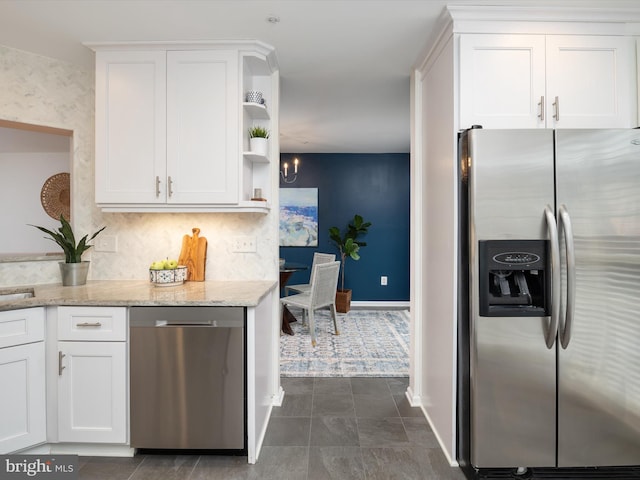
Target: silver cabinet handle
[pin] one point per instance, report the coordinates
(550, 334)
(170, 182)
(157, 186)
(541, 104)
(87, 324)
(565, 225)
(556, 110)
(60, 366)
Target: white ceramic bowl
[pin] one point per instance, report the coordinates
(165, 278)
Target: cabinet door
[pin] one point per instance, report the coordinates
(130, 127)
(502, 80)
(92, 392)
(590, 77)
(22, 402)
(203, 141)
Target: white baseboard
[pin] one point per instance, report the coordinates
(43, 449)
(278, 398)
(392, 305)
(416, 401)
(83, 449)
(452, 461)
(92, 450)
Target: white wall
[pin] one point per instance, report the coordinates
(436, 282)
(43, 91)
(22, 176)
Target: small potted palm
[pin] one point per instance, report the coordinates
(349, 247)
(73, 269)
(258, 137)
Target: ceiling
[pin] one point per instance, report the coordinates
(344, 64)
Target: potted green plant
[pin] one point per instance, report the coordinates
(73, 269)
(258, 137)
(349, 247)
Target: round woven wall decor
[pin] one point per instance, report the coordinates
(56, 196)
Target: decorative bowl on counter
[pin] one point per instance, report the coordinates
(167, 278)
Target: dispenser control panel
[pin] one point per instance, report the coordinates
(514, 278)
(516, 258)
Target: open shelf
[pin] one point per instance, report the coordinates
(256, 110)
(255, 158)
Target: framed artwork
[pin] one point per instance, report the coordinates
(298, 217)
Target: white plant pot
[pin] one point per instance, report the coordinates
(259, 145)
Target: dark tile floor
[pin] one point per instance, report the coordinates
(327, 428)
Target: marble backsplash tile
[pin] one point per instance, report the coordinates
(146, 237)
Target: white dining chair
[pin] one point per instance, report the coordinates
(318, 258)
(322, 294)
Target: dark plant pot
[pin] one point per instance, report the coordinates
(74, 274)
(343, 300)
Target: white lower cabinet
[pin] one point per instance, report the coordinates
(22, 379)
(92, 375)
(92, 392)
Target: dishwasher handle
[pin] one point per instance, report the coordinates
(197, 316)
(177, 323)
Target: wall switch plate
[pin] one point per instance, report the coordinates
(106, 243)
(383, 280)
(244, 244)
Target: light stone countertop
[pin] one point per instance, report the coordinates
(143, 293)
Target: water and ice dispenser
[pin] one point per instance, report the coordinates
(515, 278)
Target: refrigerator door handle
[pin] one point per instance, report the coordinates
(552, 331)
(564, 224)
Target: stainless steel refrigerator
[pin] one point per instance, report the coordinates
(549, 324)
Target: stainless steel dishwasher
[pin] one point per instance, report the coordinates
(188, 378)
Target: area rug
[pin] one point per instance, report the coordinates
(372, 343)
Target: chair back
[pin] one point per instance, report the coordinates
(324, 283)
(318, 259)
(322, 258)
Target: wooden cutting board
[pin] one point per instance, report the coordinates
(194, 255)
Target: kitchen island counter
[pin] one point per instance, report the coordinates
(240, 293)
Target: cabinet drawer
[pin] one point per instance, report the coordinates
(92, 323)
(21, 326)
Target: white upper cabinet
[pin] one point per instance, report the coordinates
(546, 81)
(590, 79)
(131, 127)
(202, 132)
(501, 80)
(170, 128)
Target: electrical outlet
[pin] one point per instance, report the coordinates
(106, 243)
(244, 244)
(383, 280)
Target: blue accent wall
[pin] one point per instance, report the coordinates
(375, 186)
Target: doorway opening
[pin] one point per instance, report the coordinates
(36, 164)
